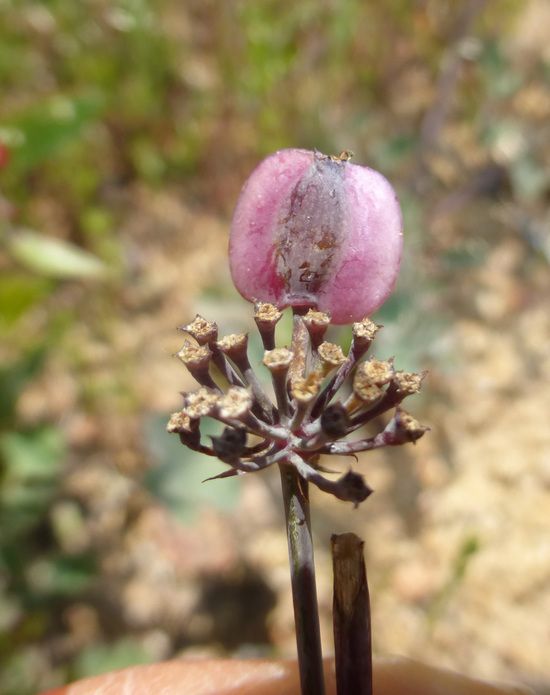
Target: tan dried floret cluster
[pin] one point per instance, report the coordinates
(308, 417)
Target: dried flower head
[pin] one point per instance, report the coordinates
(309, 417)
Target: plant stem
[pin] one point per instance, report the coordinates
(351, 616)
(300, 543)
(302, 574)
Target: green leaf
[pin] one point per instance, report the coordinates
(18, 293)
(15, 376)
(54, 257)
(35, 454)
(47, 127)
(65, 576)
(32, 464)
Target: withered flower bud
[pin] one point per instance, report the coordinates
(404, 428)
(335, 420)
(406, 384)
(365, 390)
(364, 331)
(235, 404)
(202, 330)
(200, 403)
(234, 346)
(197, 360)
(230, 444)
(331, 357)
(380, 371)
(316, 323)
(266, 317)
(352, 488)
(306, 390)
(179, 422)
(194, 357)
(278, 360)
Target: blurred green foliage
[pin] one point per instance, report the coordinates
(104, 100)
(45, 128)
(102, 658)
(467, 551)
(178, 478)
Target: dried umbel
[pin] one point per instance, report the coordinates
(321, 398)
(316, 231)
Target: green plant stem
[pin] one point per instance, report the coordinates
(302, 573)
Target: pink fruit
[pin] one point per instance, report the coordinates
(310, 230)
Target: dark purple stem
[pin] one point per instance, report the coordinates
(300, 545)
(302, 574)
(351, 616)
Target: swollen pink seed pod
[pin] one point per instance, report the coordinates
(310, 230)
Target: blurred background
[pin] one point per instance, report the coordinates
(127, 128)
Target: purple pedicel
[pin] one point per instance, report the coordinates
(311, 230)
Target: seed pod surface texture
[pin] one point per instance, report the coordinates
(311, 230)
